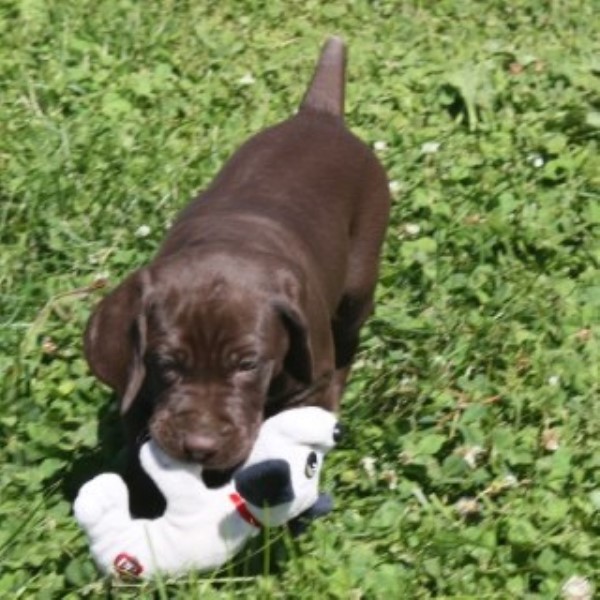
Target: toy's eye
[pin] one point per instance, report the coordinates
(311, 465)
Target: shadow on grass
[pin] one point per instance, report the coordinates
(109, 455)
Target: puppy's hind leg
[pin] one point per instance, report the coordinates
(352, 312)
(356, 305)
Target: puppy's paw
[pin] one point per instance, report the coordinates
(98, 497)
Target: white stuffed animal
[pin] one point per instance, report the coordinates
(201, 527)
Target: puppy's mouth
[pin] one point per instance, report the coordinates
(223, 459)
(219, 446)
(213, 476)
(218, 478)
(219, 462)
(215, 453)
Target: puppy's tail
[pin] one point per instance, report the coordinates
(326, 90)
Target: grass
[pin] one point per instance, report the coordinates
(472, 466)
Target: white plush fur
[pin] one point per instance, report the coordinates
(201, 528)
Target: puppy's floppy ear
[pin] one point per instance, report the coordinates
(298, 361)
(115, 338)
(288, 303)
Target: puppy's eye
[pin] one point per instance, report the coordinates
(311, 465)
(247, 364)
(170, 374)
(170, 370)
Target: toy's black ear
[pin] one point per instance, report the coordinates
(267, 483)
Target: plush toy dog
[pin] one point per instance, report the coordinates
(202, 527)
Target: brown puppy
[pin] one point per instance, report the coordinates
(255, 300)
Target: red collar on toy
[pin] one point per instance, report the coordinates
(240, 506)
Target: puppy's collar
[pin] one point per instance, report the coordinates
(243, 511)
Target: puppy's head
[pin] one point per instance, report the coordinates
(198, 341)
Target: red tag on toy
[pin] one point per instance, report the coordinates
(127, 565)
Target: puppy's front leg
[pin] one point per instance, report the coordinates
(145, 499)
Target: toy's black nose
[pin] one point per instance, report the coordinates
(338, 432)
(200, 448)
(267, 483)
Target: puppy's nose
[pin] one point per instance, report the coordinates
(200, 448)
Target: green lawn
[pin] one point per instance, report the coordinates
(472, 466)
